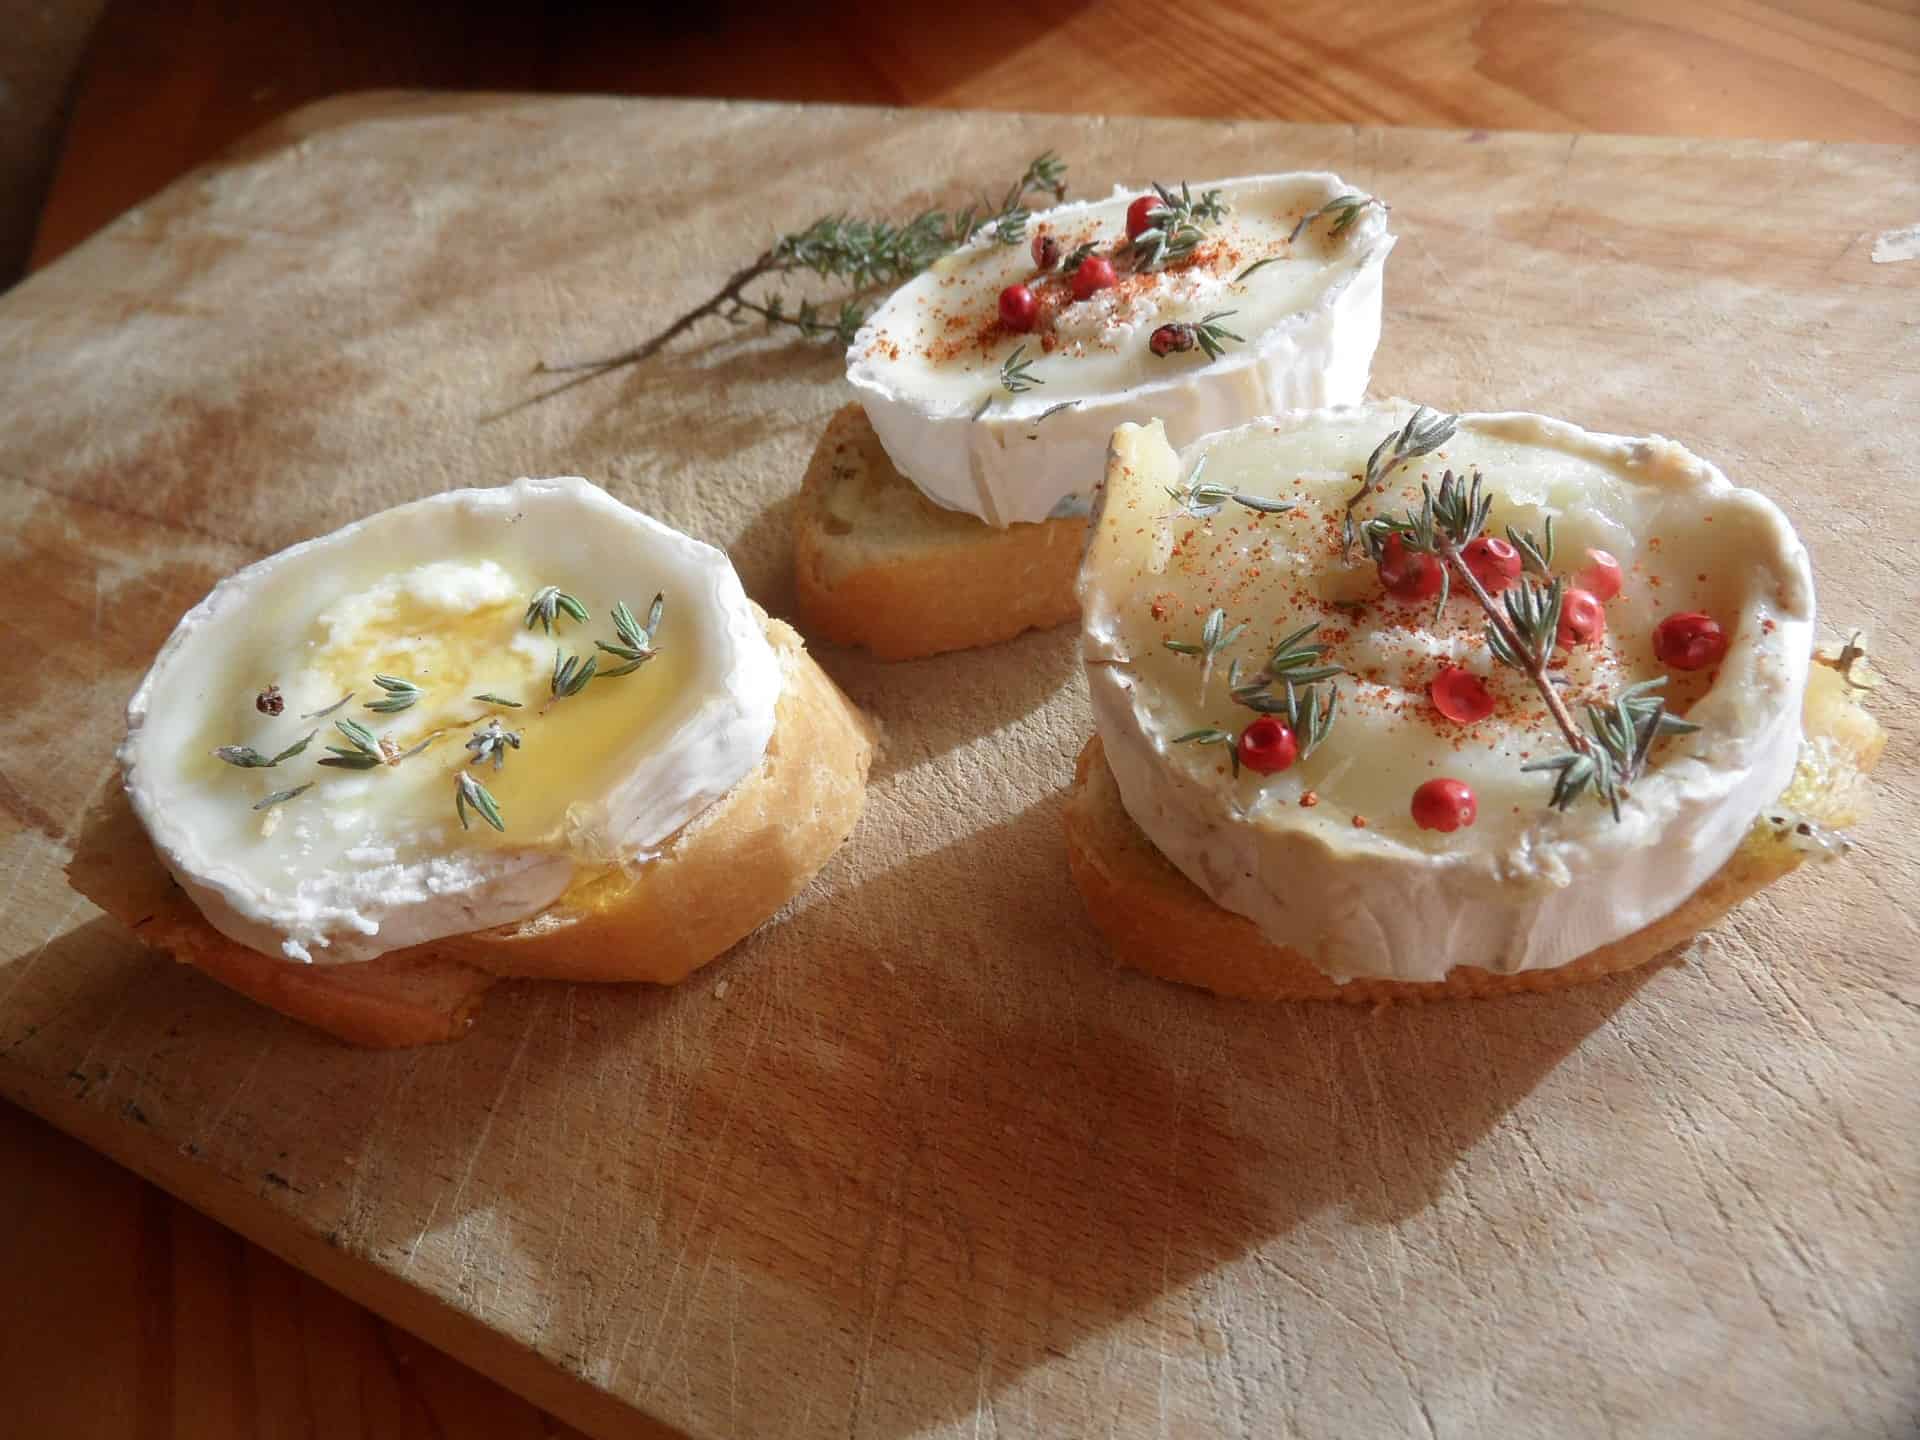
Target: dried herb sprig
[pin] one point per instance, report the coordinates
(1522, 630)
(327, 710)
(1203, 500)
(491, 742)
(401, 694)
(1214, 637)
(486, 698)
(635, 645)
(1078, 256)
(1174, 226)
(1344, 210)
(470, 794)
(1622, 736)
(549, 602)
(865, 253)
(1423, 433)
(570, 673)
(361, 752)
(248, 758)
(1293, 661)
(1016, 375)
(1298, 668)
(1206, 334)
(280, 797)
(1214, 735)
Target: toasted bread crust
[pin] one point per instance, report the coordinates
(878, 565)
(719, 879)
(1157, 920)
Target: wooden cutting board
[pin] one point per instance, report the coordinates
(916, 1160)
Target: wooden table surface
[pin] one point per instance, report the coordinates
(122, 1312)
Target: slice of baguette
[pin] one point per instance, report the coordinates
(718, 879)
(878, 565)
(1157, 920)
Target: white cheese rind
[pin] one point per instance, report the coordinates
(1517, 892)
(388, 886)
(1005, 468)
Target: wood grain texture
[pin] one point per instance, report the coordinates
(171, 82)
(202, 1334)
(918, 1160)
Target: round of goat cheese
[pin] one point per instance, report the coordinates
(1010, 425)
(380, 737)
(1326, 856)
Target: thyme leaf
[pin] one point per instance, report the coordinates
(635, 644)
(1203, 500)
(570, 673)
(327, 710)
(1344, 211)
(470, 794)
(361, 752)
(549, 603)
(402, 694)
(491, 742)
(1016, 375)
(248, 758)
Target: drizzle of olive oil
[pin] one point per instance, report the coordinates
(572, 748)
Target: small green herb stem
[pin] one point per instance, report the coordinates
(1536, 669)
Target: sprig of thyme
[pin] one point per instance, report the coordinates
(1214, 735)
(1214, 637)
(1522, 630)
(1622, 736)
(635, 645)
(361, 752)
(570, 673)
(865, 253)
(470, 794)
(491, 742)
(1174, 226)
(1344, 209)
(1204, 500)
(248, 758)
(1077, 257)
(1298, 668)
(401, 694)
(549, 602)
(1293, 661)
(1206, 334)
(1423, 433)
(1016, 375)
(280, 797)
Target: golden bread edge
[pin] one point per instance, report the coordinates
(963, 584)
